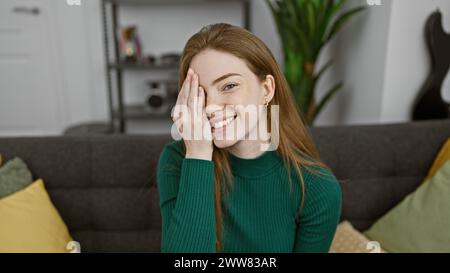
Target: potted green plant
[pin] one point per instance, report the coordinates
(305, 27)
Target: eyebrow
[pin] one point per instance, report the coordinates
(224, 77)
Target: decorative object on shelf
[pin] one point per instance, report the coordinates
(158, 101)
(169, 59)
(150, 59)
(164, 60)
(130, 44)
(429, 103)
(305, 27)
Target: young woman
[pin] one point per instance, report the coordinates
(225, 192)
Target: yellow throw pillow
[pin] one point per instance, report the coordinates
(349, 240)
(442, 157)
(30, 222)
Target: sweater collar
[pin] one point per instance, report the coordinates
(255, 167)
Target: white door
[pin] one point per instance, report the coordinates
(30, 103)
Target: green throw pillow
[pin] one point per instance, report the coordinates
(14, 176)
(421, 221)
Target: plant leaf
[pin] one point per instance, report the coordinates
(337, 6)
(325, 99)
(323, 69)
(311, 18)
(324, 22)
(339, 23)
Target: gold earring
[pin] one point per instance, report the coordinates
(266, 103)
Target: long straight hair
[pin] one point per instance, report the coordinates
(296, 147)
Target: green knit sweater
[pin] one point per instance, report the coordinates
(259, 214)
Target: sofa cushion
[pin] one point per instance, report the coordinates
(30, 222)
(349, 240)
(420, 223)
(14, 176)
(442, 157)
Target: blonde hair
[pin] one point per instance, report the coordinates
(295, 143)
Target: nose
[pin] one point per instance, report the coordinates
(212, 109)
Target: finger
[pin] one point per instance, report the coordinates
(176, 113)
(201, 101)
(187, 89)
(190, 101)
(179, 124)
(194, 87)
(207, 133)
(180, 111)
(183, 87)
(181, 99)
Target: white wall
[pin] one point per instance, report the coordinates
(408, 62)
(359, 52)
(81, 61)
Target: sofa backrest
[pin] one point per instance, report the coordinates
(105, 186)
(378, 165)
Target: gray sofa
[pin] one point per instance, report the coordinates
(105, 186)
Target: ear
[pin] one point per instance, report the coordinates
(268, 88)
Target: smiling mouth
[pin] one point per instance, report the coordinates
(223, 123)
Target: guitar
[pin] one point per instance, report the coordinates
(429, 103)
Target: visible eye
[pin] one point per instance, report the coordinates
(229, 86)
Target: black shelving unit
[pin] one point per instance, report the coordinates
(119, 112)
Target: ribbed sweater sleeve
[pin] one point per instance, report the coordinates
(186, 190)
(320, 214)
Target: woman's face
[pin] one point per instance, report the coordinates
(234, 96)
